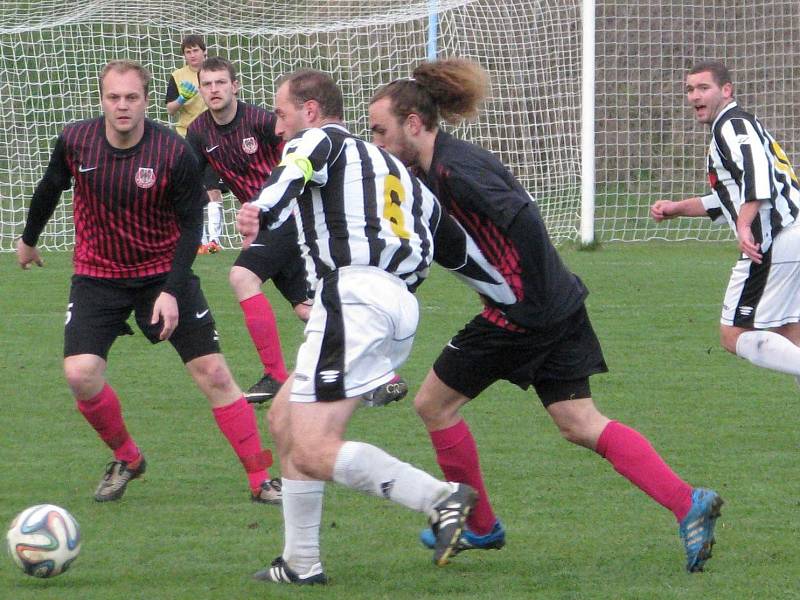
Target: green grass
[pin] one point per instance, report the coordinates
(575, 528)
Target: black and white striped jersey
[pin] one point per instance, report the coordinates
(746, 164)
(355, 204)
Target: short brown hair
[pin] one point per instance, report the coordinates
(217, 63)
(452, 89)
(310, 84)
(190, 41)
(718, 70)
(123, 66)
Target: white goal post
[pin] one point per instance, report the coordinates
(645, 144)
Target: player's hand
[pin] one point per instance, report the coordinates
(748, 245)
(247, 222)
(186, 90)
(662, 210)
(28, 255)
(165, 309)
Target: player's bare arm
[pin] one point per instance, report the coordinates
(28, 255)
(744, 232)
(662, 210)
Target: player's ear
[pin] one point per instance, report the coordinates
(414, 124)
(727, 90)
(312, 111)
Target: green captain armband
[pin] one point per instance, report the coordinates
(302, 163)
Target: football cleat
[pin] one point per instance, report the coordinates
(213, 247)
(268, 493)
(116, 479)
(263, 390)
(697, 528)
(202, 249)
(392, 391)
(447, 521)
(494, 540)
(279, 572)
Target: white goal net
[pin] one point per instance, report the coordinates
(51, 52)
(646, 143)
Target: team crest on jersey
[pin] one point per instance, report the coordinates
(145, 177)
(250, 145)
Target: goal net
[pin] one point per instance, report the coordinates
(647, 145)
(52, 50)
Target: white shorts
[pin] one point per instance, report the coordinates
(766, 295)
(361, 328)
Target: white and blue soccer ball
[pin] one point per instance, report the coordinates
(43, 540)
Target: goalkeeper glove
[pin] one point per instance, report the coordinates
(186, 91)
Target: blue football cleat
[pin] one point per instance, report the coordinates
(697, 528)
(494, 540)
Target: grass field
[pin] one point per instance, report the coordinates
(575, 528)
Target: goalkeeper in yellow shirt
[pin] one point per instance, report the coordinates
(184, 103)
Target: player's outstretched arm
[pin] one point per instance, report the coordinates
(662, 210)
(28, 255)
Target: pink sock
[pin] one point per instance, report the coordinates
(104, 414)
(237, 421)
(457, 456)
(260, 322)
(634, 458)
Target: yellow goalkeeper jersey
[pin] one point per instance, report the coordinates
(189, 111)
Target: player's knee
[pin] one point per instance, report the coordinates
(303, 310)
(578, 421)
(728, 336)
(212, 373)
(433, 412)
(573, 432)
(84, 380)
(244, 282)
(306, 458)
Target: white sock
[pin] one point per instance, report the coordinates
(369, 469)
(302, 516)
(214, 221)
(769, 350)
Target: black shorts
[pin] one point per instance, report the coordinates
(275, 254)
(557, 361)
(212, 181)
(98, 313)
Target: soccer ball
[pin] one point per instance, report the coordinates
(43, 540)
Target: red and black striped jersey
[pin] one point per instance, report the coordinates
(243, 152)
(138, 212)
(499, 214)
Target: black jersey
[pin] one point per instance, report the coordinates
(243, 152)
(502, 218)
(138, 212)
